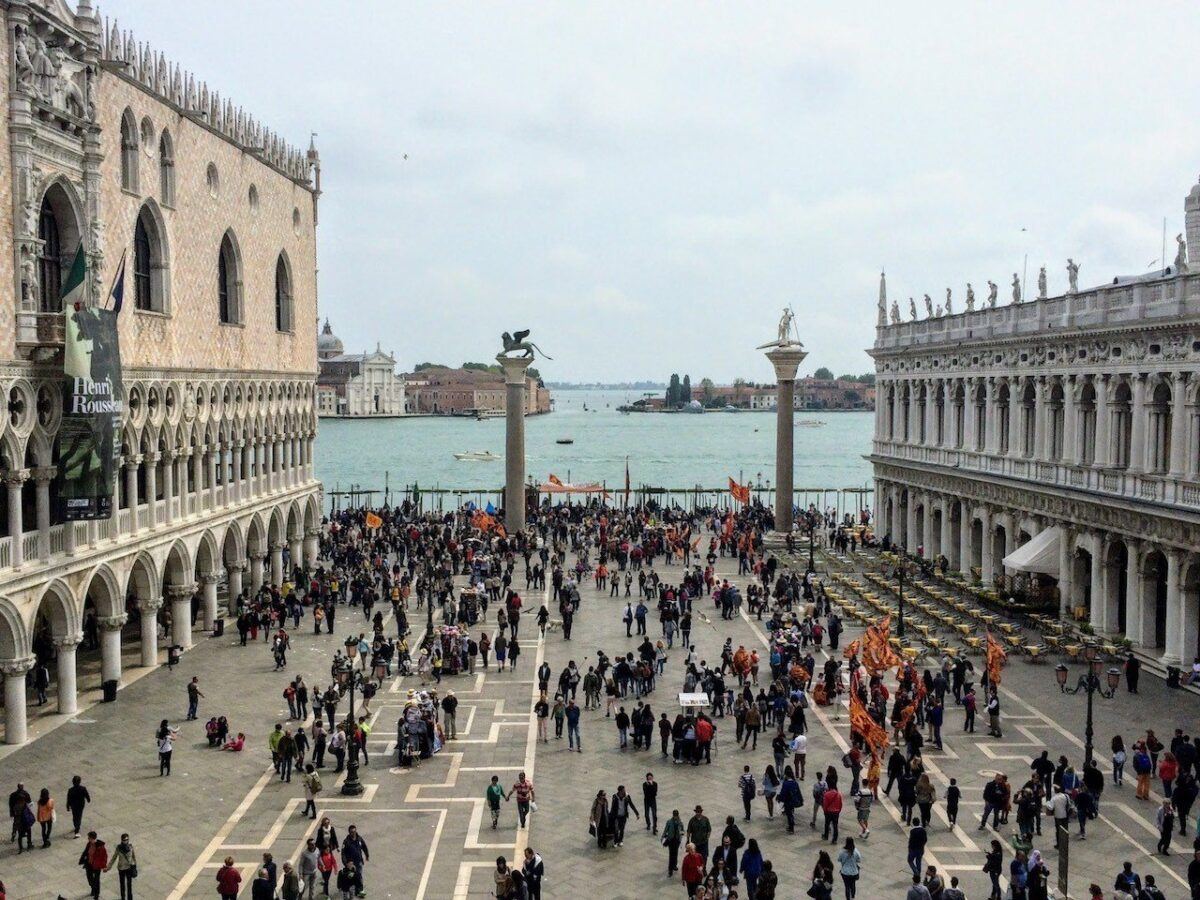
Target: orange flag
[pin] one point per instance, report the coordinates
(554, 479)
(877, 653)
(874, 735)
(373, 521)
(740, 492)
(997, 657)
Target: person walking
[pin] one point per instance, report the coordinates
(94, 860)
(534, 870)
(125, 859)
(1165, 819)
(918, 837)
(831, 806)
(312, 787)
(993, 867)
(850, 866)
(77, 799)
(622, 804)
(45, 815)
(699, 830)
(751, 866)
(494, 795)
(650, 802)
(747, 788)
(672, 836)
(574, 741)
(692, 871)
(308, 868)
(526, 797)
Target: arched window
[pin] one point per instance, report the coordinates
(129, 148)
(229, 283)
(49, 259)
(150, 280)
(166, 169)
(283, 296)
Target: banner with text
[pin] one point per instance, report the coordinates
(92, 408)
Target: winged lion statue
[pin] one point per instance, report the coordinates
(514, 343)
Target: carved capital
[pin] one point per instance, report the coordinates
(68, 641)
(16, 668)
(208, 579)
(16, 477)
(312, 532)
(111, 623)
(238, 566)
(177, 593)
(45, 474)
(150, 605)
(152, 458)
(133, 460)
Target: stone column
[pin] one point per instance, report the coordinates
(247, 469)
(180, 596)
(1015, 407)
(1180, 425)
(312, 545)
(198, 478)
(991, 426)
(1066, 580)
(894, 432)
(149, 632)
(969, 439)
(208, 605)
(110, 646)
(947, 535)
(964, 540)
(277, 564)
(256, 573)
(1041, 418)
(785, 359)
(131, 488)
(514, 441)
(296, 550)
(214, 452)
(168, 515)
(15, 722)
(43, 475)
(235, 572)
(1174, 626)
(1100, 459)
(927, 527)
(151, 490)
(240, 470)
(987, 567)
(1099, 611)
(16, 527)
(1133, 593)
(1071, 436)
(1137, 438)
(68, 700)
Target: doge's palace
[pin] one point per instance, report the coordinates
(114, 148)
(1056, 436)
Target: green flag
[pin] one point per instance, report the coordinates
(73, 287)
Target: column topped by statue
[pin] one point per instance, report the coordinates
(515, 365)
(786, 352)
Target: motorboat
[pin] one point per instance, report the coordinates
(565, 441)
(477, 456)
(811, 423)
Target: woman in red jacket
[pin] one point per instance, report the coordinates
(229, 880)
(1168, 771)
(692, 870)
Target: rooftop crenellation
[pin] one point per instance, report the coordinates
(139, 62)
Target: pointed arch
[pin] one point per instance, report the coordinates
(229, 280)
(166, 169)
(151, 260)
(60, 233)
(129, 151)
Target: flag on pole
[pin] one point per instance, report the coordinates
(740, 492)
(373, 521)
(74, 287)
(554, 479)
(117, 294)
(627, 481)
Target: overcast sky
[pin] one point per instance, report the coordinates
(646, 185)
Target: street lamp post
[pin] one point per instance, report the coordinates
(1089, 683)
(812, 527)
(349, 677)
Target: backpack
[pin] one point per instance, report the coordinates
(737, 839)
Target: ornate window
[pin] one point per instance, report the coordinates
(150, 280)
(49, 259)
(283, 295)
(166, 169)
(129, 149)
(229, 282)
(213, 178)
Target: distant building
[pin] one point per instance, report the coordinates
(356, 385)
(811, 393)
(464, 392)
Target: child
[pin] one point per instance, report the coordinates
(953, 794)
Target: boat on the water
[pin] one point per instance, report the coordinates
(811, 423)
(565, 441)
(477, 456)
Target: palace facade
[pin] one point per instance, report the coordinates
(1058, 437)
(112, 147)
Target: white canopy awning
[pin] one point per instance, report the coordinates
(1040, 554)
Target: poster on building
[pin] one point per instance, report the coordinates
(92, 408)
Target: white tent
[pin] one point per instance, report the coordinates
(1040, 554)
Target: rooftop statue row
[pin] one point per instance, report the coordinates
(932, 312)
(171, 83)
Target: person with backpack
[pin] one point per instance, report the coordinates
(747, 788)
(312, 787)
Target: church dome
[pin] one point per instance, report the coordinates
(328, 343)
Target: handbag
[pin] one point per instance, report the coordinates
(533, 806)
(133, 873)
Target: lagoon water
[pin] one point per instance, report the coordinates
(678, 451)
